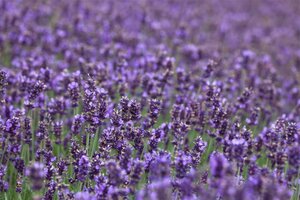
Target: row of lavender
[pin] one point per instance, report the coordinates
(149, 100)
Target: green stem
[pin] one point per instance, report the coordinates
(95, 142)
(87, 142)
(33, 134)
(2, 156)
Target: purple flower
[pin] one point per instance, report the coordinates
(76, 124)
(73, 89)
(219, 165)
(84, 196)
(183, 163)
(82, 168)
(37, 174)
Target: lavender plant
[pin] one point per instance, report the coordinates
(149, 100)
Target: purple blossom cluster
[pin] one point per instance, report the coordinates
(150, 100)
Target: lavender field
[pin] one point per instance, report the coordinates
(150, 100)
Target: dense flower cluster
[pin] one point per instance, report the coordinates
(150, 99)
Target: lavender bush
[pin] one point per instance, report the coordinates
(150, 100)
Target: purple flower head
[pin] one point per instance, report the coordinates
(116, 175)
(3, 84)
(73, 89)
(3, 79)
(198, 150)
(4, 185)
(294, 156)
(219, 165)
(157, 190)
(76, 124)
(82, 168)
(154, 109)
(159, 165)
(136, 173)
(84, 196)
(183, 163)
(134, 109)
(37, 173)
(35, 91)
(124, 107)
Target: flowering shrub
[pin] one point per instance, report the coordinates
(149, 100)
